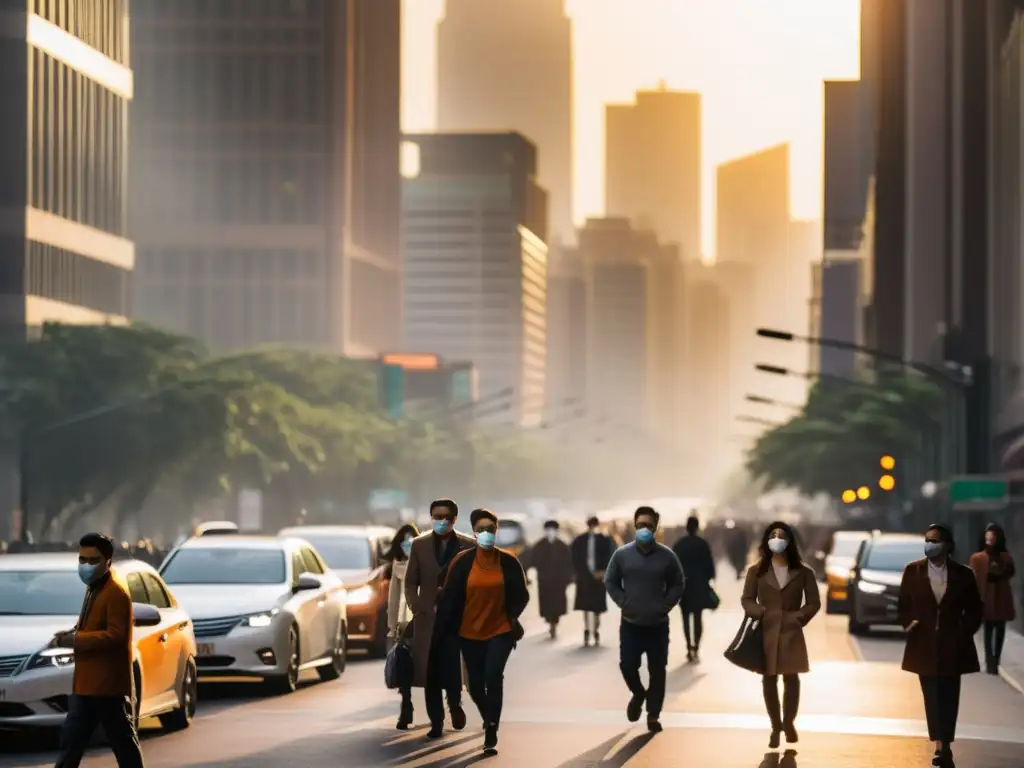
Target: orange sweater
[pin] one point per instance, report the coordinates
(485, 615)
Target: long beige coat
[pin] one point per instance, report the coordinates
(784, 613)
(422, 588)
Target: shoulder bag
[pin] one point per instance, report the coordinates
(746, 651)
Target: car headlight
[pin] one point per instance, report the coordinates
(263, 619)
(838, 573)
(52, 657)
(360, 595)
(870, 587)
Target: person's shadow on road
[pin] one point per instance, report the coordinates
(774, 760)
(596, 757)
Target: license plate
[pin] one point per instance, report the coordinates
(204, 649)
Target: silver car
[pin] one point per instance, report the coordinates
(263, 608)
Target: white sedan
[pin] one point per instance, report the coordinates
(263, 608)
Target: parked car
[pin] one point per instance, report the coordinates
(40, 595)
(264, 608)
(356, 555)
(874, 590)
(839, 561)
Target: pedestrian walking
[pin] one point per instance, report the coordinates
(437, 668)
(738, 546)
(941, 609)
(698, 564)
(591, 552)
(484, 596)
(103, 691)
(398, 610)
(551, 558)
(993, 570)
(781, 592)
(645, 580)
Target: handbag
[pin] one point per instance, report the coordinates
(746, 650)
(398, 666)
(713, 599)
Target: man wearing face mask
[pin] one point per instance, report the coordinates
(644, 578)
(103, 688)
(591, 552)
(552, 560)
(941, 609)
(436, 667)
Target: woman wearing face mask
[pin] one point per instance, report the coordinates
(483, 597)
(993, 569)
(398, 612)
(552, 560)
(782, 592)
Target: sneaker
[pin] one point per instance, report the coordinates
(654, 725)
(458, 716)
(635, 707)
(491, 739)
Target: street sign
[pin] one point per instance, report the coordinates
(979, 492)
(387, 499)
(393, 385)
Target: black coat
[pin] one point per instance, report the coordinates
(553, 562)
(591, 595)
(695, 556)
(453, 597)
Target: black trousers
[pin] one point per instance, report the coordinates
(444, 675)
(995, 634)
(85, 714)
(941, 706)
(485, 666)
(635, 642)
(696, 618)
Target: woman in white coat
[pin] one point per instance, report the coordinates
(398, 612)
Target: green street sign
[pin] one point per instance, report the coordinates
(979, 492)
(393, 390)
(388, 498)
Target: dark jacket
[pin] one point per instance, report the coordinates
(103, 642)
(590, 592)
(646, 585)
(942, 642)
(695, 556)
(994, 574)
(453, 597)
(553, 563)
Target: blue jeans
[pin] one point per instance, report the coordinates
(85, 714)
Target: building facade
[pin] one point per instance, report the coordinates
(65, 252)
(508, 66)
(653, 165)
(266, 172)
(566, 380)
(476, 259)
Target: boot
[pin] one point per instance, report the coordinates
(405, 714)
(790, 705)
(770, 688)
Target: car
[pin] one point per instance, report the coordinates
(842, 553)
(356, 555)
(216, 528)
(874, 590)
(263, 608)
(41, 594)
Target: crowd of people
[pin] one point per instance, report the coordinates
(456, 604)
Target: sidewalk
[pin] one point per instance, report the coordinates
(1011, 668)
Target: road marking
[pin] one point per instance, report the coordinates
(828, 724)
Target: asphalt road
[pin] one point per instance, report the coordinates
(565, 709)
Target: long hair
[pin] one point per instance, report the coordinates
(395, 553)
(792, 551)
(1000, 545)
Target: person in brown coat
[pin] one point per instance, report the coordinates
(781, 591)
(436, 668)
(941, 609)
(103, 688)
(993, 569)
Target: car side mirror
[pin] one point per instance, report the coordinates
(307, 582)
(145, 615)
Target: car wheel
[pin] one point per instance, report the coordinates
(181, 718)
(289, 681)
(339, 657)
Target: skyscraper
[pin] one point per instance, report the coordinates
(64, 249)
(508, 66)
(566, 379)
(475, 228)
(266, 171)
(653, 165)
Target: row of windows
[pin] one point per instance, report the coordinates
(226, 35)
(236, 263)
(54, 273)
(159, 11)
(101, 24)
(77, 135)
(262, 138)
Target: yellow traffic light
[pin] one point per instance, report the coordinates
(863, 493)
(887, 482)
(849, 497)
(888, 463)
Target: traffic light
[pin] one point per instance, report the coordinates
(863, 493)
(849, 496)
(888, 463)
(887, 482)
(393, 390)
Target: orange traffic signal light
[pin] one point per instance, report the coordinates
(887, 482)
(888, 463)
(849, 497)
(863, 493)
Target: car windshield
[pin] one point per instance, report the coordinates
(845, 546)
(40, 593)
(893, 555)
(342, 553)
(225, 566)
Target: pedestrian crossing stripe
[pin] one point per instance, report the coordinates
(826, 724)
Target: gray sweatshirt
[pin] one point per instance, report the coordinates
(645, 585)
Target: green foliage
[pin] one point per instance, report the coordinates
(845, 427)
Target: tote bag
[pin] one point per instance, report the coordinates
(746, 651)
(398, 666)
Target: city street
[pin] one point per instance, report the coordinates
(565, 709)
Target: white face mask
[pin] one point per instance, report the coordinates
(551, 534)
(778, 546)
